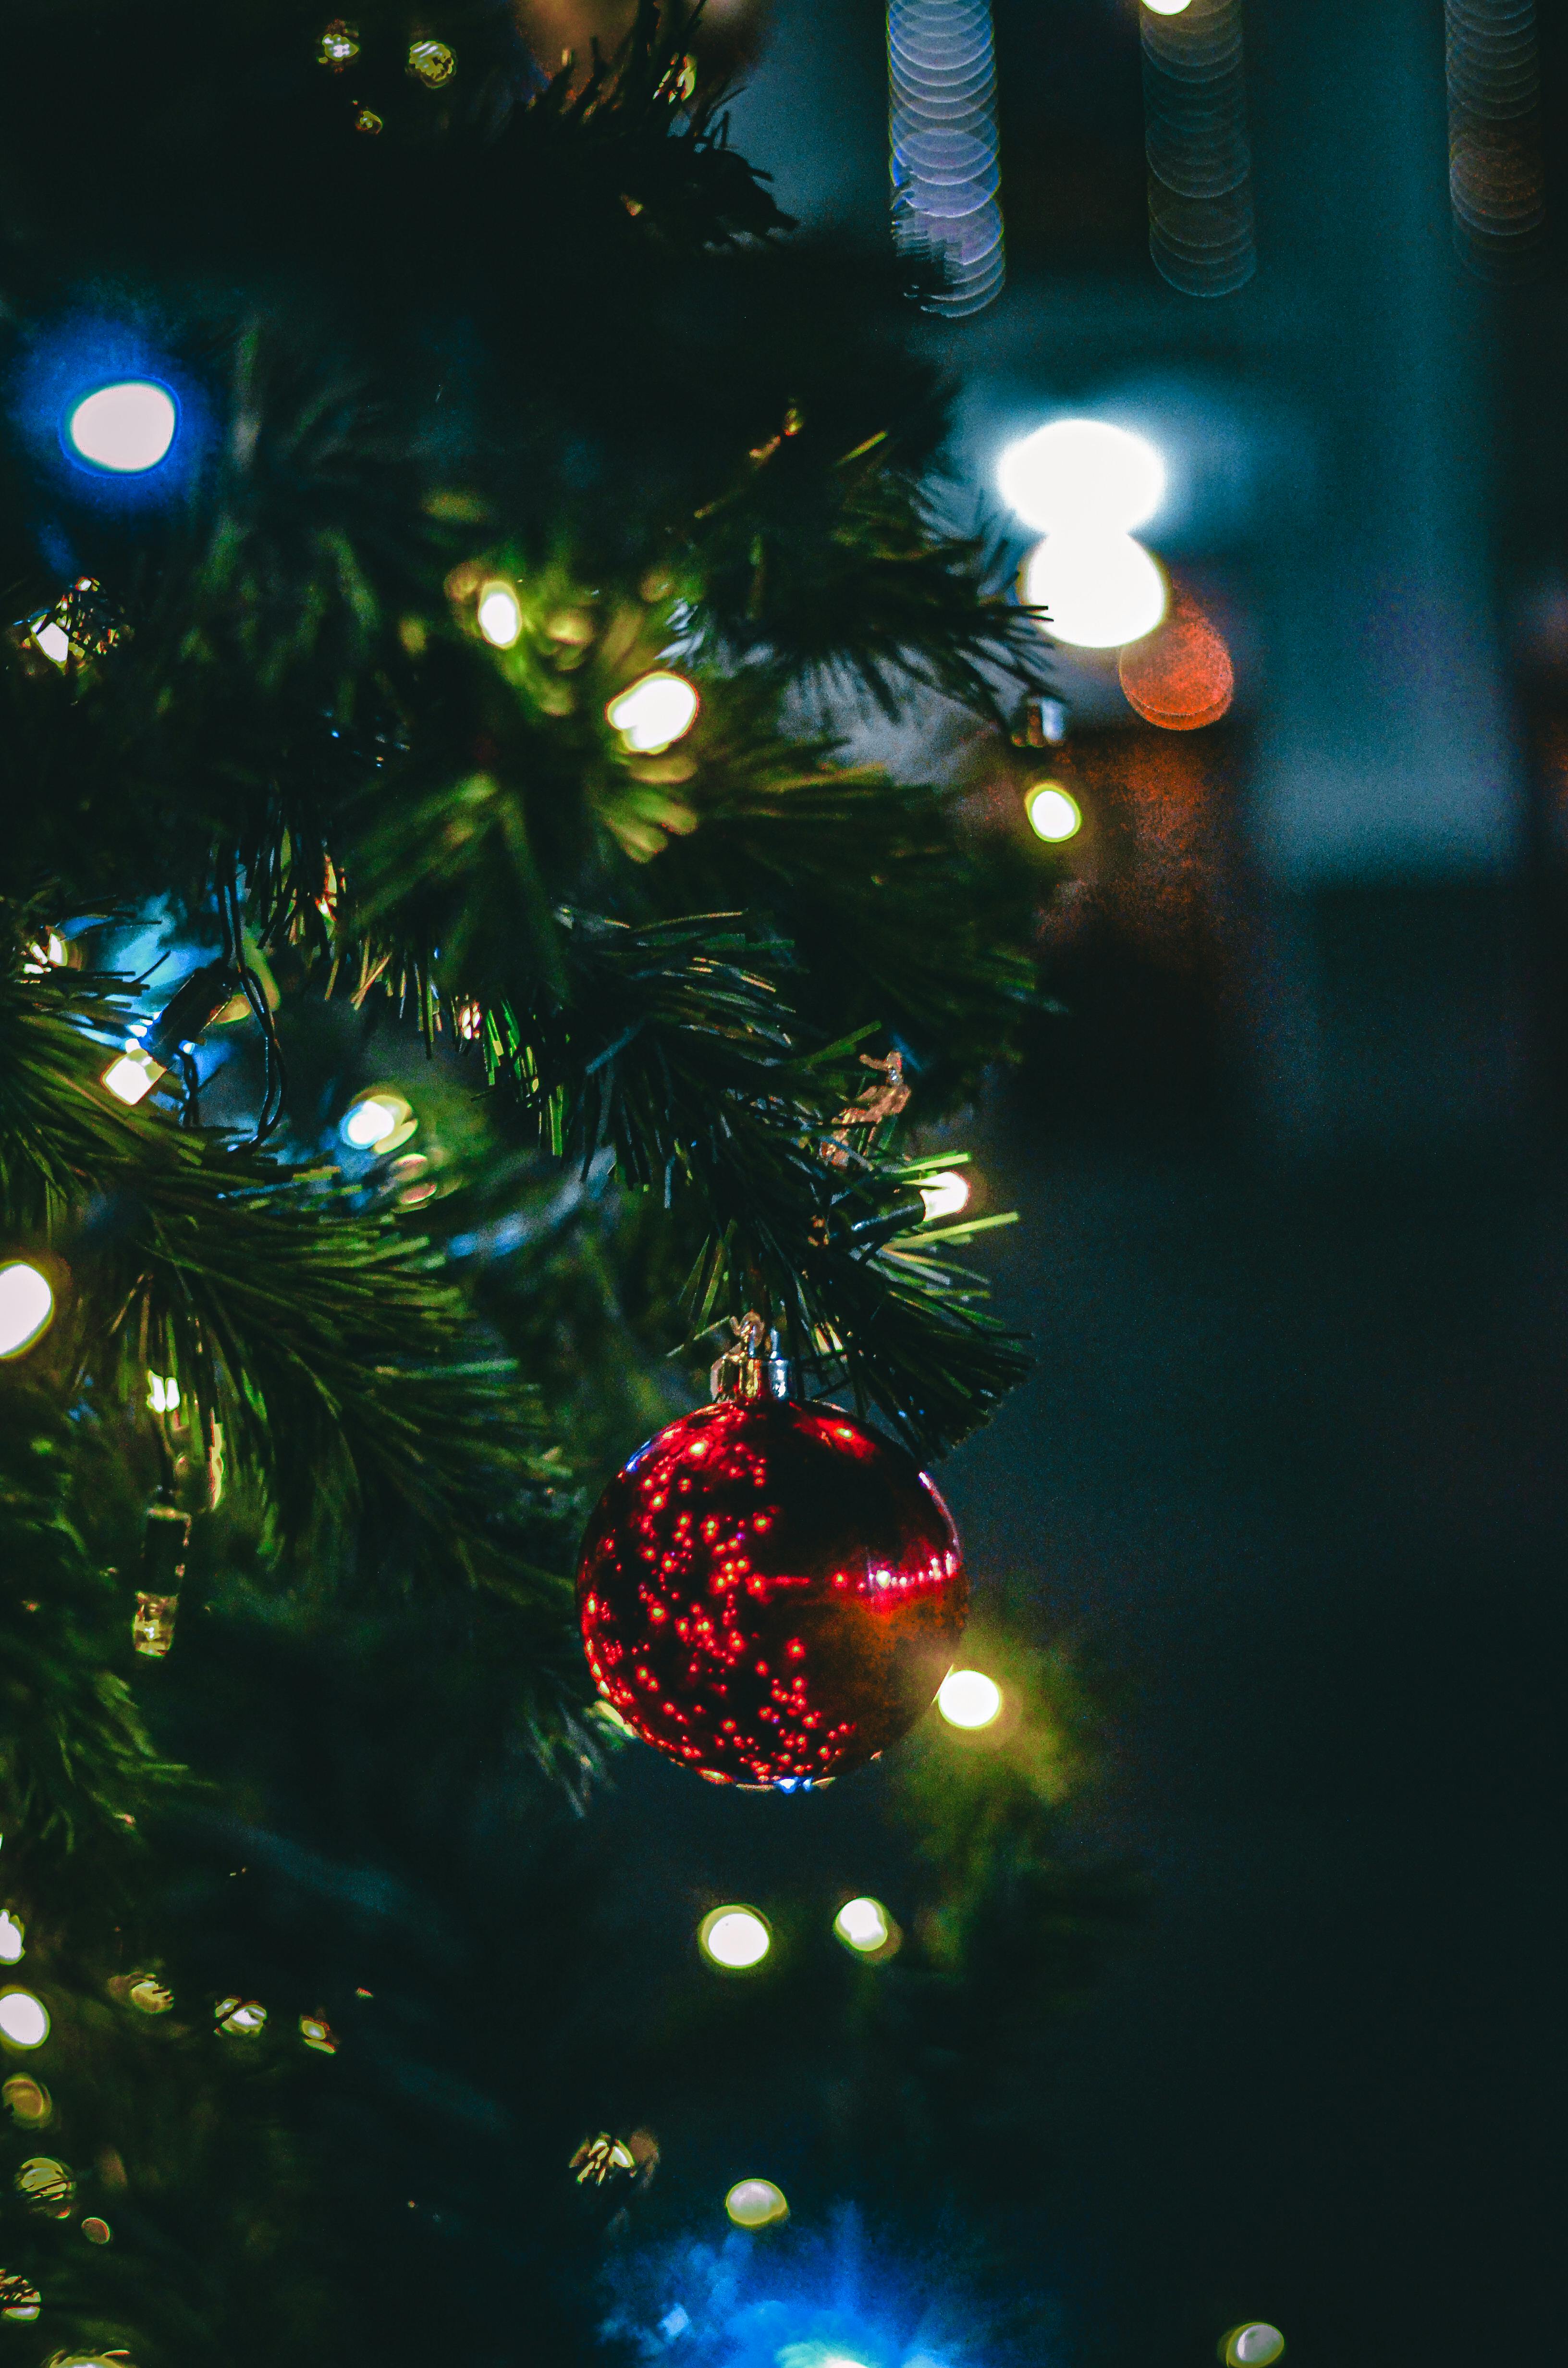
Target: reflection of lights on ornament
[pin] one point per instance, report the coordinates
(432, 63)
(755, 2203)
(27, 1307)
(28, 2101)
(46, 2185)
(124, 428)
(131, 1075)
(945, 1193)
(1054, 815)
(237, 2017)
(163, 1395)
(656, 713)
(500, 616)
(339, 43)
(1082, 476)
(735, 1937)
(1099, 587)
(378, 1121)
(318, 2034)
(96, 2231)
(24, 2020)
(12, 1935)
(367, 121)
(470, 1022)
(968, 1699)
(153, 1623)
(148, 1995)
(1254, 2345)
(18, 2297)
(863, 1924)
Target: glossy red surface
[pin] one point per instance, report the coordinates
(770, 1593)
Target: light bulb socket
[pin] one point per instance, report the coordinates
(195, 1004)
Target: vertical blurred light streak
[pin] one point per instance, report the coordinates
(1496, 177)
(1195, 118)
(943, 147)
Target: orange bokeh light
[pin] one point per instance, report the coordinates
(1180, 676)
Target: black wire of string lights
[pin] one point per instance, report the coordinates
(1496, 172)
(1195, 129)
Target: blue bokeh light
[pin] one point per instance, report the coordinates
(126, 455)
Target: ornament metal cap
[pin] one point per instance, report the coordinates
(755, 1366)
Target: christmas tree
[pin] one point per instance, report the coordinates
(454, 979)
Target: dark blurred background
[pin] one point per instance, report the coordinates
(1295, 1237)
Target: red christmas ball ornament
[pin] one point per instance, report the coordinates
(769, 1592)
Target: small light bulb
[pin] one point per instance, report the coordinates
(1099, 587)
(163, 1395)
(1255, 2345)
(125, 428)
(55, 641)
(1054, 815)
(500, 617)
(735, 1937)
(24, 2020)
(968, 1699)
(131, 1076)
(377, 1122)
(654, 714)
(862, 1924)
(944, 1194)
(755, 2203)
(11, 1937)
(27, 1307)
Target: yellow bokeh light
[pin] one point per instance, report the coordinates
(654, 712)
(131, 1076)
(1054, 814)
(969, 1699)
(735, 1937)
(11, 1937)
(24, 2020)
(27, 1307)
(755, 2203)
(863, 1924)
(500, 615)
(945, 1193)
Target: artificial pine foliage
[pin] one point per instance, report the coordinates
(439, 327)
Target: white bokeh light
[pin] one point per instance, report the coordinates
(11, 1937)
(735, 1937)
(500, 616)
(654, 712)
(1256, 2346)
(945, 1193)
(1098, 590)
(132, 1076)
(755, 2203)
(126, 427)
(378, 1121)
(969, 1699)
(1054, 814)
(1081, 474)
(27, 1307)
(1166, 7)
(862, 1924)
(24, 2020)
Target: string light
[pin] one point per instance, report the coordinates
(12, 1933)
(1054, 814)
(24, 2020)
(1084, 473)
(755, 2203)
(124, 428)
(163, 1395)
(864, 1926)
(735, 1937)
(945, 1193)
(237, 2017)
(1166, 7)
(968, 1699)
(131, 1075)
(27, 1307)
(654, 714)
(500, 615)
